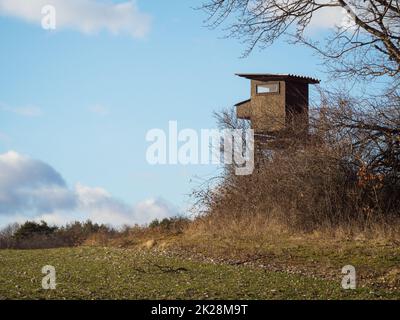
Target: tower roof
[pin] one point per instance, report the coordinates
(277, 77)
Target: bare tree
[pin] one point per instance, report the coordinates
(371, 126)
(366, 43)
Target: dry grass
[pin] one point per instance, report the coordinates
(310, 207)
(256, 242)
(112, 273)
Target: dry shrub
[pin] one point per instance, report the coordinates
(325, 181)
(174, 225)
(137, 235)
(33, 235)
(247, 227)
(98, 239)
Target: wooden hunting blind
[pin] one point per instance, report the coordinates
(278, 102)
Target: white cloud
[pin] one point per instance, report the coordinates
(101, 206)
(151, 209)
(327, 18)
(31, 189)
(5, 138)
(99, 110)
(87, 16)
(26, 111)
(324, 18)
(29, 111)
(59, 218)
(31, 185)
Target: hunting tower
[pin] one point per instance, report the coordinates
(278, 102)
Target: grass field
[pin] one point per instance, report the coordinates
(118, 273)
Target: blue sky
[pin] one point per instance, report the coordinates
(82, 102)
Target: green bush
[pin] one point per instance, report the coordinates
(174, 224)
(30, 229)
